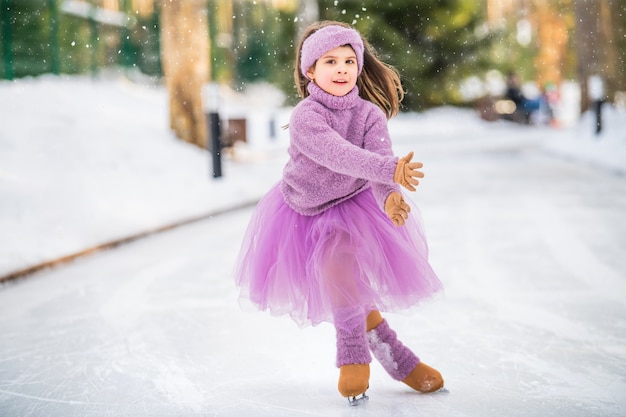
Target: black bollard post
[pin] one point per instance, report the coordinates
(215, 130)
(598, 110)
(216, 144)
(596, 94)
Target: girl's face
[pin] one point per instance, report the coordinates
(336, 71)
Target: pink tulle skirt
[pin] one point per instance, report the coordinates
(350, 255)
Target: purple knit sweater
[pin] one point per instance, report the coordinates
(339, 147)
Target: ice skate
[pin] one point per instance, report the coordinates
(398, 360)
(357, 399)
(354, 381)
(424, 379)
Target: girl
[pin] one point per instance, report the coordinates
(333, 241)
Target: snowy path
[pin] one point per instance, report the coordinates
(530, 249)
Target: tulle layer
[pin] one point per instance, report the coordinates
(350, 255)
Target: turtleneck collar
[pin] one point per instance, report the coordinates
(334, 102)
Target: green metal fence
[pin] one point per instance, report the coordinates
(249, 41)
(65, 36)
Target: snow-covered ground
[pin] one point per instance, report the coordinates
(529, 246)
(86, 162)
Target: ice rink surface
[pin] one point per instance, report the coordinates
(533, 321)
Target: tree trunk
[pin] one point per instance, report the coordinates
(608, 39)
(618, 7)
(552, 39)
(598, 53)
(185, 57)
(308, 12)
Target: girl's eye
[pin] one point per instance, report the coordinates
(330, 61)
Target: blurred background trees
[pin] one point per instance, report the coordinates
(438, 45)
(434, 44)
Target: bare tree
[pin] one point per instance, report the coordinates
(185, 57)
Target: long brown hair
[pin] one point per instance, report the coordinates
(378, 81)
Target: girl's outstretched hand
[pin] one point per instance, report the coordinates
(396, 208)
(407, 172)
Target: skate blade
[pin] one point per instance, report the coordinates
(355, 400)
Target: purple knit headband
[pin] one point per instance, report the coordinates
(327, 38)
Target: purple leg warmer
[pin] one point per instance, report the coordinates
(396, 358)
(351, 340)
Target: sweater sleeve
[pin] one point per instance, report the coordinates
(380, 144)
(314, 138)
